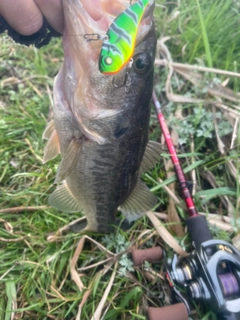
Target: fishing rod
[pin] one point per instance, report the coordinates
(210, 274)
(197, 225)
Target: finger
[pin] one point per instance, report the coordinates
(53, 11)
(93, 8)
(23, 16)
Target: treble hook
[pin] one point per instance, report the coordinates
(128, 83)
(121, 85)
(127, 80)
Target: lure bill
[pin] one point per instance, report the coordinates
(120, 42)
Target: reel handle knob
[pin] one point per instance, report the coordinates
(173, 312)
(152, 255)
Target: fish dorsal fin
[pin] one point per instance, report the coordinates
(151, 156)
(69, 160)
(139, 202)
(48, 130)
(52, 148)
(63, 199)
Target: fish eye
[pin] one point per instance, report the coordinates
(108, 61)
(142, 63)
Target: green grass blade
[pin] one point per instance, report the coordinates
(204, 36)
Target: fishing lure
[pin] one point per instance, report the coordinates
(118, 47)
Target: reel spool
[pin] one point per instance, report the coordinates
(229, 284)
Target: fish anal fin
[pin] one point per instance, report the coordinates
(139, 202)
(151, 156)
(69, 160)
(52, 148)
(63, 199)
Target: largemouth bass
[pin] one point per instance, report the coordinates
(101, 121)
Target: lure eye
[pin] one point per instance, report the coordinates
(142, 63)
(108, 61)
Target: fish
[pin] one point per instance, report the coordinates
(119, 43)
(100, 122)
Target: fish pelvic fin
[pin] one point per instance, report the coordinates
(69, 160)
(52, 148)
(151, 156)
(63, 199)
(139, 202)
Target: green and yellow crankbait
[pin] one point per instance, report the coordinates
(121, 36)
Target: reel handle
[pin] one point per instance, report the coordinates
(174, 312)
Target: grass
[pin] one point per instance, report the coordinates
(35, 280)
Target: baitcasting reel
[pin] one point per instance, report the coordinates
(210, 274)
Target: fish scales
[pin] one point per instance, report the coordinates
(102, 128)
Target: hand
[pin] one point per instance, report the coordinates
(26, 16)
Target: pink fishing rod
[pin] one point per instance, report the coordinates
(197, 224)
(178, 169)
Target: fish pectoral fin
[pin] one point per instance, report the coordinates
(151, 156)
(68, 160)
(52, 148)
(48, 130)
(106, 113)
(90, 134)
(63, 199)
(139, 202)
